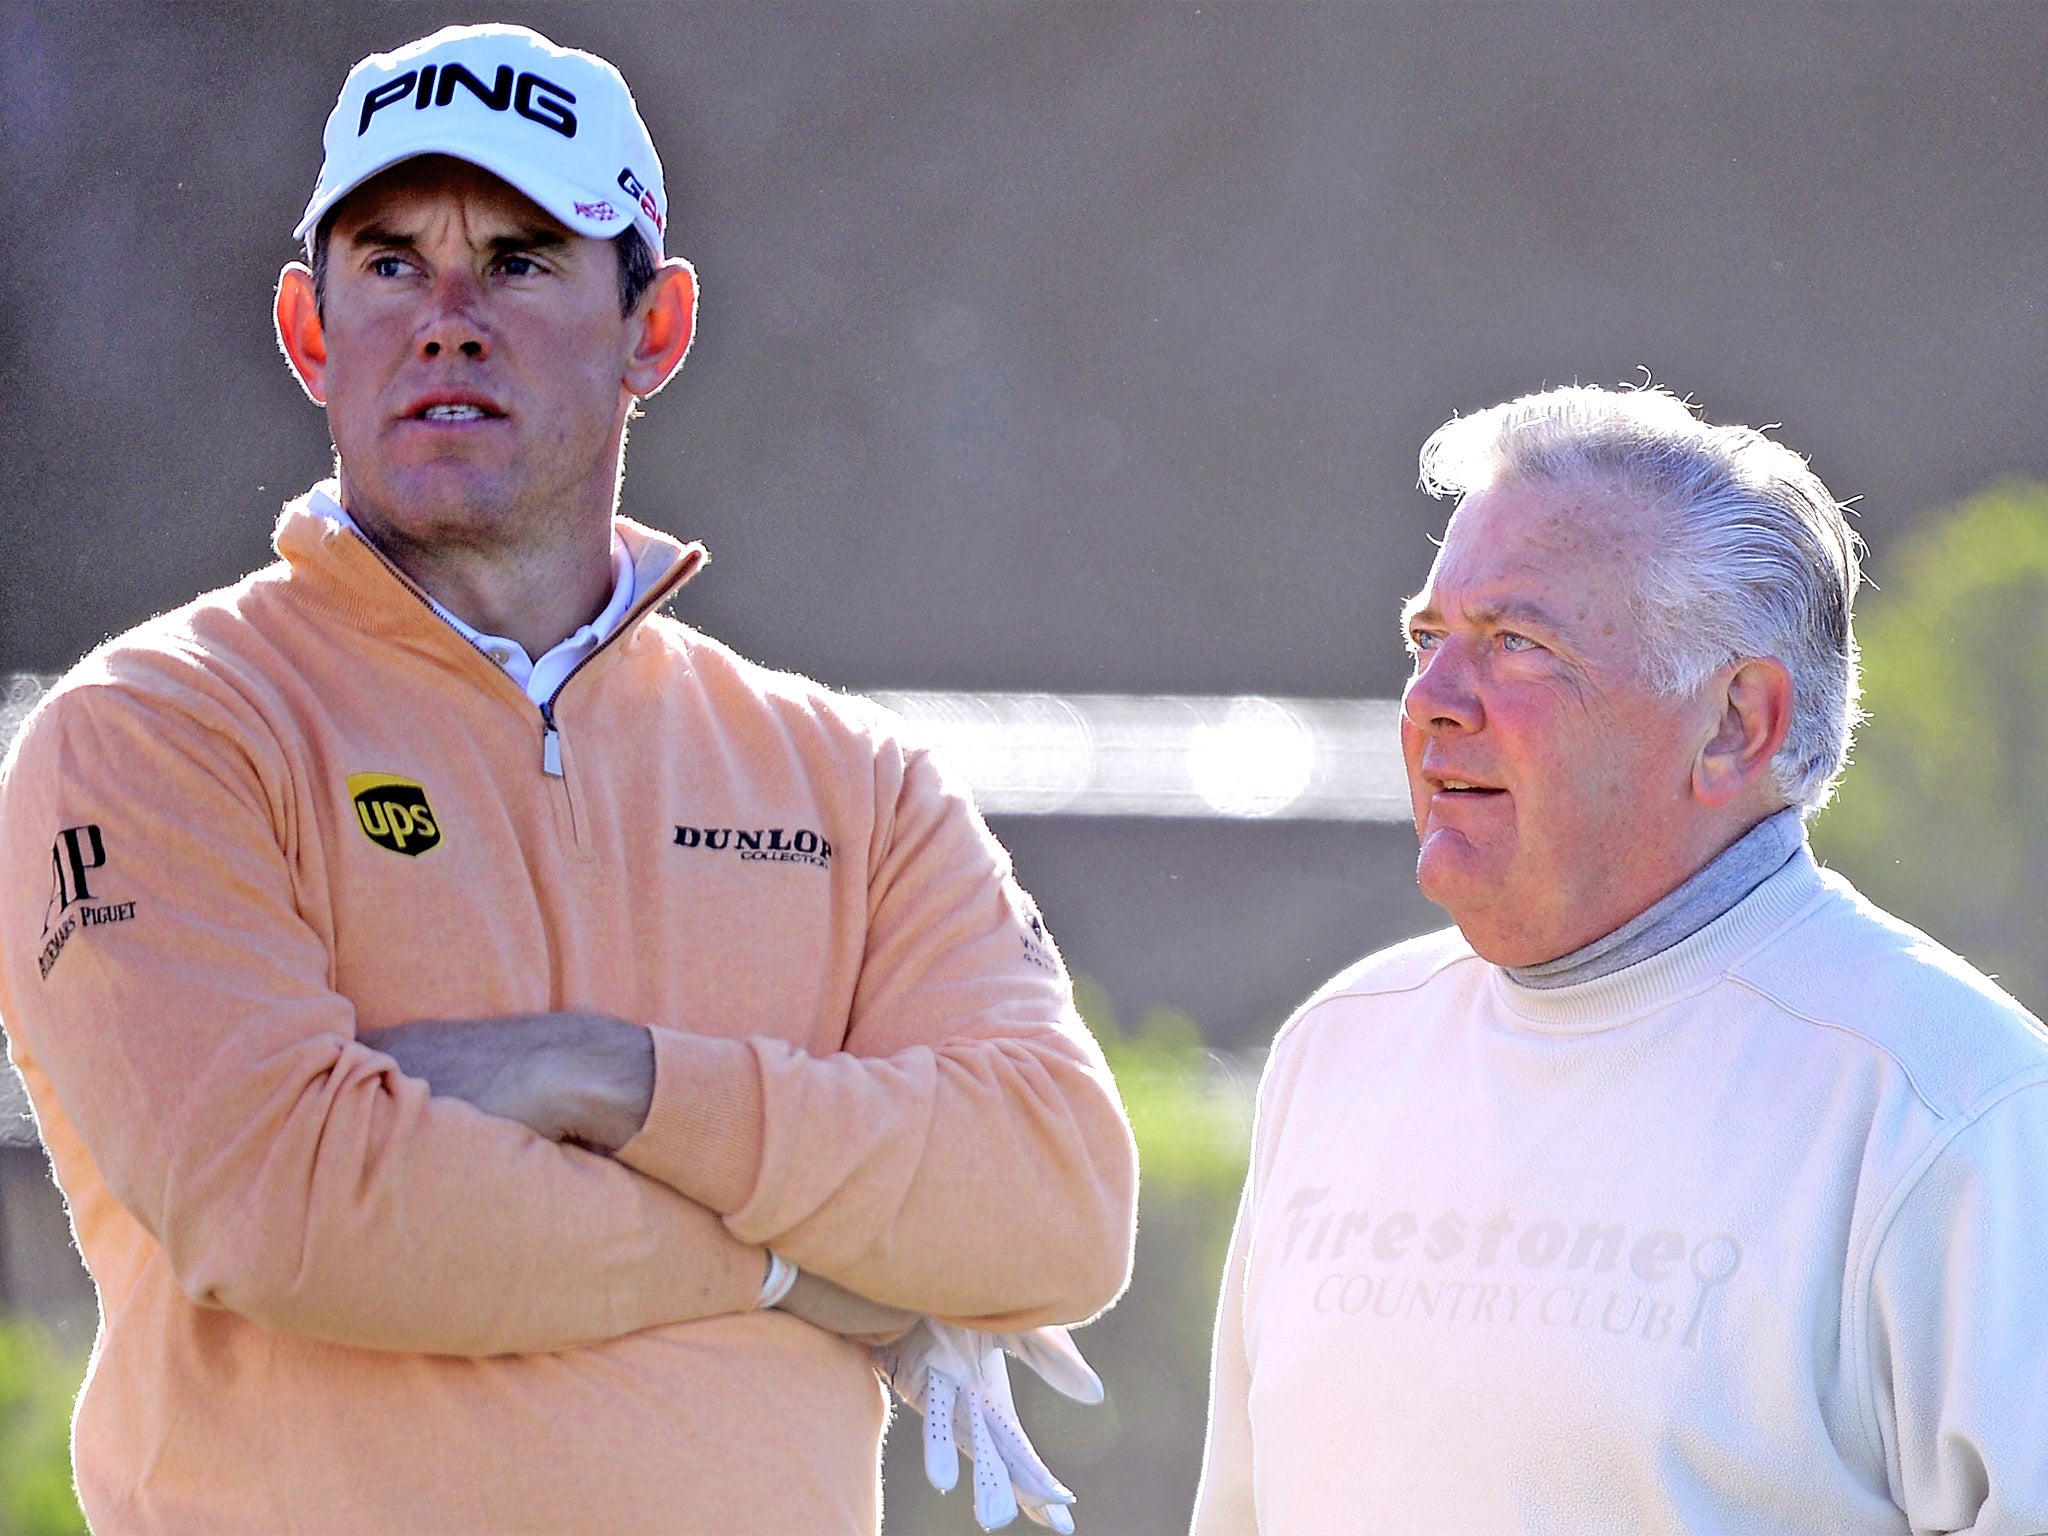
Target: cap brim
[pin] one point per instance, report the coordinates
(576, 207)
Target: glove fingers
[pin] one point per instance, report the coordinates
(1053, 1354)
(964, 1387)
(1032, 1476)
(941, 1454)
(995, 1501)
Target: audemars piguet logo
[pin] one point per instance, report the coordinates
(394, 813)
(76, 860)
(760, 845)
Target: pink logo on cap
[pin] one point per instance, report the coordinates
(596, 211)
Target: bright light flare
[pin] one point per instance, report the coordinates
(1039, 754)
(1101, 754)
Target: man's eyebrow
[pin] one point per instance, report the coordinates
(1505, 610)
(380, 234)
(538, 238)
(1513, 610)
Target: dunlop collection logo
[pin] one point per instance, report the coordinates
(394, 813)
(761, 845)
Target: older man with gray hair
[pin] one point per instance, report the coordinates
(1676, 1188)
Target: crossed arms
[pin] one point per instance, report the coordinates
(975, 1167)
(587, 1079)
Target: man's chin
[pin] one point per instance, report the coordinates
(1467, 883)
(1451, 870)
(441, 500)
(1491, 929)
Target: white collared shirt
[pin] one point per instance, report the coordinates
(541, 679)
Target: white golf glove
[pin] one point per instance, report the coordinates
(956, 1378)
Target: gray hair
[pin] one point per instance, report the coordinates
(1754, 557)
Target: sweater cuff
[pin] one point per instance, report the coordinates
(703, 1132)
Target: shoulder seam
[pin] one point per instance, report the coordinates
(1737, 979)
(1365, 989)
(1322, 1000)
(1769, 995)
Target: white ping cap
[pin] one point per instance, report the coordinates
(556, 123)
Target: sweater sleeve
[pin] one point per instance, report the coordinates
(159, 974)
(1223, 1503)
(1959, 1357)
(966, 1154)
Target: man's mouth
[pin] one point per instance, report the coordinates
(1466, 787)
(452, 407)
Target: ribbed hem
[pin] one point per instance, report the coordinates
(704, 1129)
(1690, 965)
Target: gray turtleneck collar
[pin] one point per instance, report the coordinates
(1740, 868)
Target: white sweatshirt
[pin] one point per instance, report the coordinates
(1749, 1237)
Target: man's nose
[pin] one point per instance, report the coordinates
(454, 324)
(1443, 694)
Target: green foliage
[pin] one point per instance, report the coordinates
(1189, 1110)
(38, 1383)
(1943, 818)
(1132, 1461)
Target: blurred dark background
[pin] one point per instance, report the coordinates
(1080, 347)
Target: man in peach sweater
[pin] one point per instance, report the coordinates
(507, 1056)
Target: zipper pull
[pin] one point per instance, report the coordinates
(550, 743)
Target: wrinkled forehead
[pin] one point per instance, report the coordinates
(417, 192)
(1578, 545)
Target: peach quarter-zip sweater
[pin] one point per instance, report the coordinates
(304, 808)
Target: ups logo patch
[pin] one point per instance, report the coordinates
(394, 813)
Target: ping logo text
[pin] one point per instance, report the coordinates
(533, 97)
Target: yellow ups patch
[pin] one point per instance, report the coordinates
(394, 813)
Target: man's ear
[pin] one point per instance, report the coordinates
(662, 328)
(1755, 716)
(299, 331)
